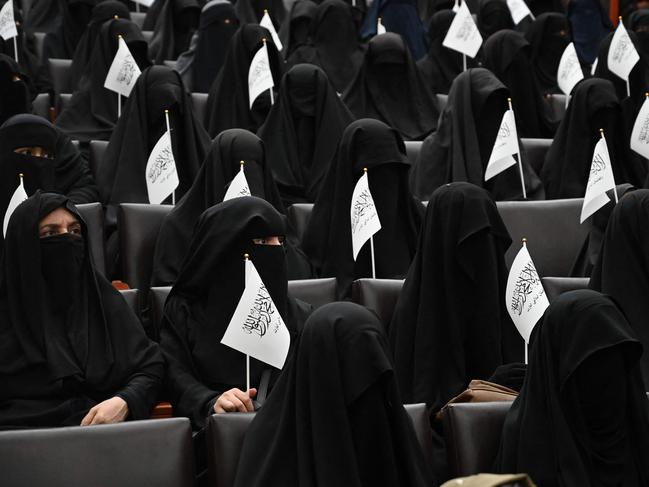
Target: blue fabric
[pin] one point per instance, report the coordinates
(589, 25)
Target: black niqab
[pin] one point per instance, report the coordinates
(548, 35)
(63, 40)
(15, 88)
(173, 29)
(251, 11)
(43, 16)
(493, 15)
(295, 30)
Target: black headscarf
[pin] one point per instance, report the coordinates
(334, 44)
(173, 29)
(295, 30)
(460, 149)
(16, 93)
(548, 36)
(228, 104)
(91, 113)
(638, 22)
(63, 40)
(302, 131)
(68, 339)
(582, 417)
(335, 416)
(43, 16)
(450, 323)
(215, 175)
(370, 144)
(593, 105)
(251, 11)
(493, 15)
(508, 56)
(389, 87)
(205, 295)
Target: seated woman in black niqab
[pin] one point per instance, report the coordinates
(548, 35)
(62, 41)
(582, 417)
(335, 416)
(71, 349)
(366, 143)
(173, 28)
(16, 89)
(493, 15)
(203, 375)
(295, 31)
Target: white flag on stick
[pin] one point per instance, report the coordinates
(569, 72)
(622, 54)
(161, 174)
(505, 146)
(238, 186)
(256, 327)
(380, 28)
(267, 22)
(18, 197)
(260, 77)
(123, 72)
(640, 132)
(525, 297)
(519, 10)
(146, 3)
(600, 180)
(463, 34)
(8, 21)
(364, 217)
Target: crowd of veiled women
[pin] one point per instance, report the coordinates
(72, 352)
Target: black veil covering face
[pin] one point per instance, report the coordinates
(173, 29)
(205, 295)
(228, 103)
(493, 15)
(450, 324)
(214, 176)
(389, 87)
(16, 89)
(335, 416)
(302, 131)
(68, 340)
(91, 113)
(548, 35)
(62, 41)
(622, 269)
(460, 149)
(251, 11)
(334, 44)
(638, 22)
(296, 28)
(582, 417)
(370, 144)
(593, 106)
(507, 55)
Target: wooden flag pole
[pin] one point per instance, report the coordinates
(246, 257)
(524, 240)
(173, 193)
(518, 153)
(601, 132)
(371, 239)
(463, 62)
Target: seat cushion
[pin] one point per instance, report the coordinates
(378, 295)
(225, 435)
(316, 292)
(556, 286)
(298, 218)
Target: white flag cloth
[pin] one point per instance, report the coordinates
(268, 24)
(146, 3)
(640, 132)
(18, 197)
(463, 34)
(569, 72)
(238, 187)
(8, 21)
(380, 28)
(161, 174)
(622, 54)
(600, 180)
(260, 77)
(518, 9)
(256, 327)
(364, 217)
(505, 146)
(525, 297)
(123, 72)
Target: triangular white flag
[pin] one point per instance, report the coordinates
(256, 327)
(622, 54)
(600, 180)
(380, 28)
(238, 186)
(569, 72)
(146, 3)
(267, 22)
(18, 197)
(640, 132)
(456, 6)
(505, 146)
(518, 9)
(364, 217)
(123, 72)
(260, 77)
(161, 174)
(525, 297)
(8, 21)
(463, 34)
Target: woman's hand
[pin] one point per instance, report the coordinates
(113, 410)
(235, 400)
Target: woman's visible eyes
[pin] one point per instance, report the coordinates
(75, 230)
(48, 233)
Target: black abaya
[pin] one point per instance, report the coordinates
(251, 11)
(548, 36)
(173, 29)
(493, 15)
(63, 40)
(295, 30)
(16, 89)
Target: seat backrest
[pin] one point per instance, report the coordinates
(316, 292)
(138, 18)
(298, 218)
(421, 422)
(148, 35)
(139, 225)
(96, 155)
(63, 100)
(93, 214)
(60, 73)
(534, 151)
(378, 295)
(138, 453)
(199, 105)
(556, 286)
(41, 105)
(441, 101)
(170, 63)
(557, 103)
(157, 299)
(472, 432)
(554, 235)
(131, 298)
(225, 436)
(412, 150)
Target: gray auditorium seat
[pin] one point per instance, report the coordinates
(93, 214)
(441, 101)
(148, 35)
(316, 292)
(378, 295)
(557, 103)
(553, 231)
(556, 286)
(199, 105)
(96, 155)
(62, 101)
(132, 454)
(41, 105)
(534, 151)
(298, 218)
(412, 150)
(138, 18)
(171, 64)
(60, 74)
(131, 298)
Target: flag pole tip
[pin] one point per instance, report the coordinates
(524, 240)
(246, 256)
(116, 17)
(364, 169)
(263, 39)
(509, 100)
(620, 18)
(601, 131)
(241, 162)
(21, 175)
(646, 94)
(119, 36)
(166, 110)
(265, 10)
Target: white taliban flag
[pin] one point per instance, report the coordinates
(146, 3)
(260, 77)
(525, 297)
(18, 197)
(238, 186)
(8, 21)
(622, 54)
(380, 28)
(569, 72)
(463, 34)
(267, 22)
(640, 132)
(123, 72)
(256, 327)
(519, 10)
(505, 146)
(600, 180)
(161, 174)
(364, 217)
